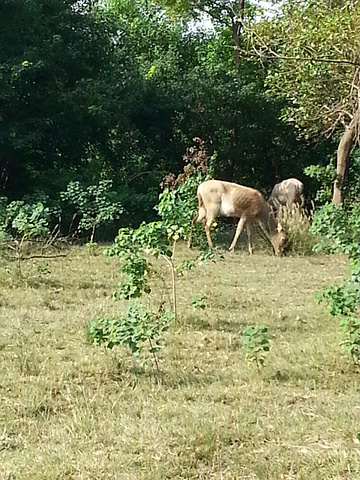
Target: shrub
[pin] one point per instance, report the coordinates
(93, 205)
(139, 327)
(28, 220)
(297, 226)
(340, 232)
(325, 175)
(339, 229)
(256, 343)
(178, 202)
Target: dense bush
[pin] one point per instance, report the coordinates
(339, 229)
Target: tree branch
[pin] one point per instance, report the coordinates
(42, 256)
(275, 56)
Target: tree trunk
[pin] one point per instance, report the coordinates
(237, 24)
(343, 153)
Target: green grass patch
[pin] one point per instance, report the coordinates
(70, 410)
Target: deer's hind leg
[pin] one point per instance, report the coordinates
(248, 231)
(207, 225)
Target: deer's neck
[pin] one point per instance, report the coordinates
(269, 221)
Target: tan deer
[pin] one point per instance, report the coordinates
(217, 198)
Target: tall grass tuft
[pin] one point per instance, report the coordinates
(296, 223)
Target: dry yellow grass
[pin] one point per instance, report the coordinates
(297, 223)
(73, 411)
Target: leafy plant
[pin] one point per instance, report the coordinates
(340, 231)
(256, 343)
(341, 300)
(4, 235)
(349, 329)
(178, 206)
(325, 175)
(198, 301)
(95, 205)
(28, 220)
(131, 245)
(178, 202)
(92, 248)
(24, 222)
(186, 265)
(136, 329)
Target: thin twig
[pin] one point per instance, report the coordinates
(172, 268)
(20, 257)
(153, 353)
(275, 56)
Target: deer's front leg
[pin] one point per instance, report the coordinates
(239, 229)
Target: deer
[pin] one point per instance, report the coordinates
(218, 198)
(287, 193)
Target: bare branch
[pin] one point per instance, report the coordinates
(275, 56)
(41, 256)
(269, 54)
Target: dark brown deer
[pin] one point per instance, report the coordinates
(287, 193)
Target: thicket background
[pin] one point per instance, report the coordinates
(118, 90)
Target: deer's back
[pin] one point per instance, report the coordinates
(230, 199)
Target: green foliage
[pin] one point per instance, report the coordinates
(133, 266)
(130, 245)
(340, 230)
(341, 299)
(186, 265)
(178, 206)
(350, 336)
(133, 246)
(136, 270)
(119, 90)
(28, 220)
(325, 176)
(139, 325)
(150, 237)
(256, 343)
(24, 226)
(95, 204)
(55, 77)
(154, 238)
(313, 30)
(4, 235)
(178, 202)
(137, 328)
(198, 301)
(351, 188)
(209, 254)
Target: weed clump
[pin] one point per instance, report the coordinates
(296, 223)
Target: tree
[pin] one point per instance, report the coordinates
(312, 54)
(191, 89)
(228, 13)
(55, 62)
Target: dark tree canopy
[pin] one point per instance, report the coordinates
(118, 90)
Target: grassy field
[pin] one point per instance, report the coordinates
(70, 410)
